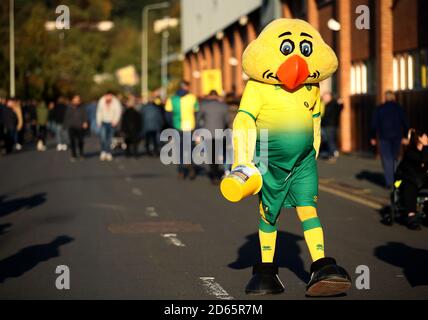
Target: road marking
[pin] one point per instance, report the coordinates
(151, 212)
(106, 206)
(171, 238)
(128, 179)
(215, 289)
(137, 192)
(351, 197)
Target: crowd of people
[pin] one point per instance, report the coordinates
(68, 122)
(126, 122)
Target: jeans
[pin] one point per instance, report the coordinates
(331, 138)
(185, 154)
(59, 134)
(106, 135)
(152, 139)
(389, 152)
(132, 143)
(76, 136)
(216, 157)
(42, 132)
(9, 137)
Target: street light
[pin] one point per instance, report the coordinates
(12, 47)
(145, 50)
(334, 25)
(105, 26)
(102, 26)
(162, 26)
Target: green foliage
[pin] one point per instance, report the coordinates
(63, 62)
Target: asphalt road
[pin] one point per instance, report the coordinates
(129, 230)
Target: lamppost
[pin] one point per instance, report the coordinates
(145, 49)
(162, 26)
(12, 47)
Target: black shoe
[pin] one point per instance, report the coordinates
(327, 279)
(265, 280)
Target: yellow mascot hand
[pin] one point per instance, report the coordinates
(244, 139)
(245, 179)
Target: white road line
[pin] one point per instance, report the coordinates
(215, 289)
(151, 212)
(137, 192)
(171, 238)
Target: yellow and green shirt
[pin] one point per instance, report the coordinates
(183, 111)
(288, 117)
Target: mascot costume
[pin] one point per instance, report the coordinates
(286, 63)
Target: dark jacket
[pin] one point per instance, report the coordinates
(389, 122)
(58, 113)
(10, 120)
(331, 116)
(213, 115)
(414, 166)
(152, 117)
(75, 117)
(2, 106)
(131, 123)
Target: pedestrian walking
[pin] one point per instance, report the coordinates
(131, 128)
(153, 123)
(58, 118)
(181, 112)
(389, 129)
(214, 115)
(76, 122)
(2, 107)
(10, 123)
(109, 111)
(330, 124)
(42, 117)
(19, 134)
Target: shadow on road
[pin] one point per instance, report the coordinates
(375, 178)
(28, 258)
(4, 227)
(10, 206)
(287, 254)
(413, 261)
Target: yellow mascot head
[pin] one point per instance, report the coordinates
(289, 52)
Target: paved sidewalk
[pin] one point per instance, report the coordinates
(356, 178)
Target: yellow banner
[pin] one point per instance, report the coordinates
(212, 80)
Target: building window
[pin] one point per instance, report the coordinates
(424, 69)
(359, 78)
(405, 72)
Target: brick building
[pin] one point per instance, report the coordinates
(391, 55)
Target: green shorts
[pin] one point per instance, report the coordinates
(289, 189)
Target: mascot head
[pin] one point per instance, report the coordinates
(289, 52)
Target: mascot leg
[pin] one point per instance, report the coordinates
(327, 278)
(265, 278)
(313, 233)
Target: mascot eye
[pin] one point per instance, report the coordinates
(287, 47)
(306, 48)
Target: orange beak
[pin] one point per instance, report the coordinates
(293, 72)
